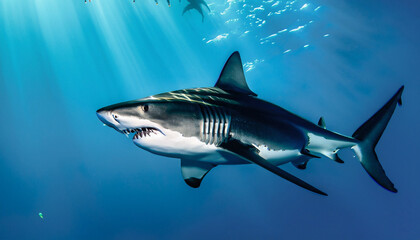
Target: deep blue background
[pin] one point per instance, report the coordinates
(62, 60)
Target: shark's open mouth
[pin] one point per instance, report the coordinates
(143, 132)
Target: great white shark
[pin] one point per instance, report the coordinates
(227, 124)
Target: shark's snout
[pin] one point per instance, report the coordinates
(106, 117)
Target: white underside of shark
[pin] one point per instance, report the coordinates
(173, 144)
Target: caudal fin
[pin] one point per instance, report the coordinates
(369, 134)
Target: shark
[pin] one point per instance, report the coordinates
(196, 4)
(228, 125)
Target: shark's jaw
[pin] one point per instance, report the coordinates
(140, 130)
(155, 139)
(144, 135)
(170, 143)
(143, 132)
(148, 138)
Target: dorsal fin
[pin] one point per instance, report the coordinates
(232, 78)
(321, 123)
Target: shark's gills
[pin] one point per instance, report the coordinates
(215, 125)
(369, 134)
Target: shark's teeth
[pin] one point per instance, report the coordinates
(142, 132)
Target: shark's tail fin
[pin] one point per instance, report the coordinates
(369, 134)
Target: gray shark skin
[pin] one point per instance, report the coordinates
(196, 4)
(228, 124)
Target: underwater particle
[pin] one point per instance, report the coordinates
(260, 8)
(245, 33)
(317, 8)
(218, 38)
(288, 50)
(271, 36)
(232, 20)
(297, 29)
(40, 215)
(326, 35)
(248, 66)
(307, 45)
(250, 16)
(304, 6)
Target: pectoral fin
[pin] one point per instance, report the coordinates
(300, 164)
(194, 171)
(337, 158)
(207, 6)
(250, 153)
(308, 153)
(187, 8)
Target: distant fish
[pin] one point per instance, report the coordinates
(91, 1)
(196, 4)
(156, 1)
(169, 2)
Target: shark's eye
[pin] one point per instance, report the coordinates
(115, 117)
(146, 108)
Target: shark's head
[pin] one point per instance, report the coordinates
(177, 124)
(131, 117)
(159, 126)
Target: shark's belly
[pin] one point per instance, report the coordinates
(223, 157)
(174, 145)
(278, 157)
(177, 146)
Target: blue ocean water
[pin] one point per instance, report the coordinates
(62, 60)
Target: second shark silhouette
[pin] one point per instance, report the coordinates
(193, 4)
(196, 4)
